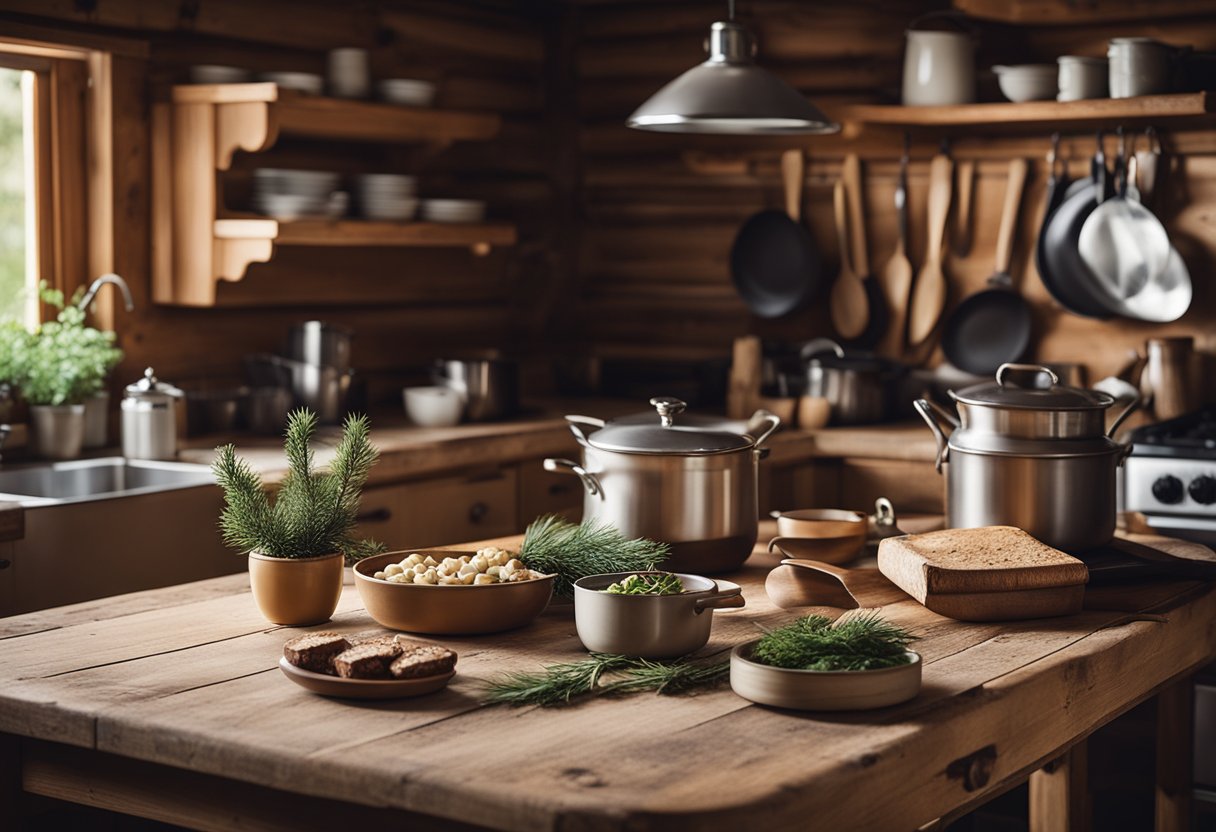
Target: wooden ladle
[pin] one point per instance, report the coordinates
(810, 583)
(848, 302)
(929, 291)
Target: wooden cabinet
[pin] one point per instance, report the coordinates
(437, 512)
(543, 492)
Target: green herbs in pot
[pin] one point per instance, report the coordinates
(554, 546)
(860, 642)
(654, 583)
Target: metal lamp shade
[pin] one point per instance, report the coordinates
(729, 94)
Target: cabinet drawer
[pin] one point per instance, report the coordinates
(458, 509)
(542, 492)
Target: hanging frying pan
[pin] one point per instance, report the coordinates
(992, 327)
(773, 262)
(1058, 183)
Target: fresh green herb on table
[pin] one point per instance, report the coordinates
(571, 551)
(659, 583)
(600, 674)
(860, 642)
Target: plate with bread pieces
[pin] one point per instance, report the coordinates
(379, 666)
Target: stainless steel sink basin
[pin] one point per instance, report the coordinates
(54, 483)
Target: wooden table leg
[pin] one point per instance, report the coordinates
(1175, 733)
(1059, 793)
(10, 782)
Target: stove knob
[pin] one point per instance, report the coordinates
(1203, 489)
(1168, 489)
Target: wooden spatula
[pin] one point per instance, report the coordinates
(848, 302)
(929, 290)
(896, 275)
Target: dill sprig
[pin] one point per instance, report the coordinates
(599, 674)
(861, 642)
(553, 545)
(653, 583)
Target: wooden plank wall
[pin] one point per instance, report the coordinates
(657, 231)
(407, 305)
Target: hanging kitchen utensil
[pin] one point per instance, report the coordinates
(1058, 183)
(992, 327)
(897, 273)
(773, 262)
(1148, 163)
(929, 291)
(877, 313)
(848, 300)
(962, 218)
(1122, 242)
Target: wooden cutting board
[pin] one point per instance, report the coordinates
(998, 573)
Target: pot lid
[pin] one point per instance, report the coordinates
(149, 386)
(662, 435)
(1031, 387)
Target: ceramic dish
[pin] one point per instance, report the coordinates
(433, 407)
(1028, 82)
(217, 74)
(822, 690)
(448, 610)
(453, 210)
(407, 92)
(327, 685)
(827, 535)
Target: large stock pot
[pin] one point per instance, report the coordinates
(1029, 452)
(692, 485)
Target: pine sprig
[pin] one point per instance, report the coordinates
(600, 674)
(554, 545)
(314, 512)
(861, 642)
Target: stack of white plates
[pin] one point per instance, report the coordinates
(217, 74)
(308, 82)
(407, 91)
(387, 196)
(288, 194)
(453, 210)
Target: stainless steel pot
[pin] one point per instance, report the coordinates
(693, 488)
(1035, 456)
(858, 387)
(649, 626)
(323, 390)
(490, 385)
(320, 344)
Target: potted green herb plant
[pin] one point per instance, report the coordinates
(297, 543)
(57, 368)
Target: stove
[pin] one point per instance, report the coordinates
(1170, 476)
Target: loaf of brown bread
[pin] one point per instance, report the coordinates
(315, 651)
(369, 660)
(422, 660)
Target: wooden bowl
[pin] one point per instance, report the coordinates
(448, 610)
(822, 690)
(327, 685)
(826, 535)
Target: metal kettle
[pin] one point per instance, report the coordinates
(149, 419)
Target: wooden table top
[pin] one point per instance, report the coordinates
(187, 677)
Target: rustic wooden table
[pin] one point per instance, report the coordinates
(168, 704)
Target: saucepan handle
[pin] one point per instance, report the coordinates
(580, 426)
(728, 596)
(934, 417)
(770, 422)
(589, 480)
(1127, 411)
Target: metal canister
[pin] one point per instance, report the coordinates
(149, 419)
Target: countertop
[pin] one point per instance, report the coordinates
(408, 451)
(169, 703)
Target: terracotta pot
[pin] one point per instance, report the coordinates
(296, 591)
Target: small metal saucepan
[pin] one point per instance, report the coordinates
(649, 626)
(857, 385)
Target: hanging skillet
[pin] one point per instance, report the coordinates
(773, 262)
(1058, 184)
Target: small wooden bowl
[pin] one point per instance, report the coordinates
(448, 610)
(822, 690)
(826, 535)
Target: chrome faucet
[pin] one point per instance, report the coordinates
(101, 281)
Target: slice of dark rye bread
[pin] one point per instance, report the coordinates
(419, 661)
(369, 660)
(315, 651)
(991, 559)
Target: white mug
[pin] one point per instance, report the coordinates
(349, 76)
(1138, 66)
(1081, 78)
(939, 68)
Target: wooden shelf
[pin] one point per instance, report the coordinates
(1007, 115)
(1072, 13)
(194, 137)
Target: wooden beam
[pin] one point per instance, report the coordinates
(1059, 793)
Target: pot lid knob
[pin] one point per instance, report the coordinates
(668, 408)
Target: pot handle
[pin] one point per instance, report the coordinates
(589, 480)
(580, 426)
(771, 422)
(819, 346)
(935, 415)
(1127, 411)
(728, 596)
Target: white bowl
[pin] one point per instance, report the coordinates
(453, 210)
(217, 74)
(405, 208)
(1028, 82)
(311, 183)
(386, 184)
(406, 91)
(308, 82)
(822, 690)
(433, 407)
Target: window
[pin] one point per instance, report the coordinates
(18, 251)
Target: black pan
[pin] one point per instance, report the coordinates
(1070, 274)
(774, 264)
(1058, 183)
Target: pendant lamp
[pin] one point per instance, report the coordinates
(730, 94)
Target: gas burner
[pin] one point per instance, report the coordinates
(1189, 436)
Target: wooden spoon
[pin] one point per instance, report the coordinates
(929, 291)
(848, 302)
(896, 275)
(962, 218)
(793, 168)
(810, 583)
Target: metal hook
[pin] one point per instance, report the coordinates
(907, 147)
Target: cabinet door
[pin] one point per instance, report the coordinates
(542, 492)
(382, 516)
(441, 512)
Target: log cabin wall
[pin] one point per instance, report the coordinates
(661, 210)
(407, 305)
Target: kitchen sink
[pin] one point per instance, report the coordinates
(95, 479)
